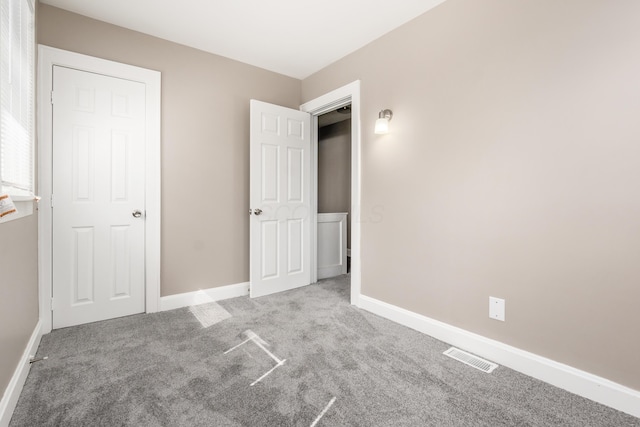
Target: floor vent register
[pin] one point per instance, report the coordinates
(471, 360)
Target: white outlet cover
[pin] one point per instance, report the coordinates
(496, 308)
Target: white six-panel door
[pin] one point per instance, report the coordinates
(98, 185)
(280, 198)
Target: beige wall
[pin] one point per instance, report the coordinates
(18, 291)
(334, 170)
(511, 170)
(205, 143)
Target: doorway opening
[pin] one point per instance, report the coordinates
(334, 193)
(348, 95)
(286, 163)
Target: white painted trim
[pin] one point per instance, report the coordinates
(314, 198)
(12, 393)
(558, 374)
(204, 296)
(348, 94)
(47, 58)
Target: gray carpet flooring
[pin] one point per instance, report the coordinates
(313, 360)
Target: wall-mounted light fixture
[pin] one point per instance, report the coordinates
(382, 124)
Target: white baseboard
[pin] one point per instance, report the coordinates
(12, 393)
(560, 375)
(203, 296)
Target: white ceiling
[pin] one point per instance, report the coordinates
(291, 37)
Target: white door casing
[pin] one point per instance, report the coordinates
(280, 199)
(98, 183)
(345, 95)
(48, 58)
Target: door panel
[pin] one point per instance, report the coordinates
(82, 262)
(296, 249)
(295, 175)
(270, 173)
(121, 259)
(98, 181)
(280, 191)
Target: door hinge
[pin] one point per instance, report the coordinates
(51, 304)
(52, 200)
(51, 97)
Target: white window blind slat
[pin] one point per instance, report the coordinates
(17, 49)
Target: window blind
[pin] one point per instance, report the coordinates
(17, 76)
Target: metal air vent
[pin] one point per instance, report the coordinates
(471, 360)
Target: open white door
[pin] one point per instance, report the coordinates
(280, 200)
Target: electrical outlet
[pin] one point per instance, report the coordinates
(496, 308)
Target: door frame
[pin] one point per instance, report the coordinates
(345, 95)
(48, 57)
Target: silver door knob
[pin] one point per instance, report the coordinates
(136, 214)
(257, 211)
